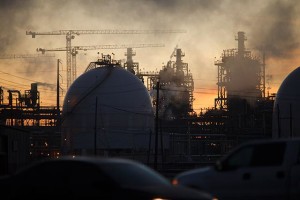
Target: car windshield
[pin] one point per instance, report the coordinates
(257, 155)
(134, 175)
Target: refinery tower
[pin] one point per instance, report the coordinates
(241, 77)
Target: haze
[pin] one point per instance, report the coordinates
(211, 26)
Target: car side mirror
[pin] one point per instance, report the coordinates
(219, 166)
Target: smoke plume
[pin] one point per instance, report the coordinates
(276, 30)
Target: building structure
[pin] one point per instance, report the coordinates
(14, 149)
(107, 111)
(287, 107)
(115, 110)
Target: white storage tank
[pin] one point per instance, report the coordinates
(106, 109)
(286, 118)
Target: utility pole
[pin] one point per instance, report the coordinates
(95, 133)
(156, 125)
(58, 119)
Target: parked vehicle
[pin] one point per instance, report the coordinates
(262, 169)
(93, 177)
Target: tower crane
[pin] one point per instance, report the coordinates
(12, 56)
(74, 52)
(70, 34)
(173, 53)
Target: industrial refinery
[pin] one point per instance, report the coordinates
(115, 109)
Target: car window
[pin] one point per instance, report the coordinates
(241, 158)
(256, 155)
(43, 174)
(63, 178)
(47, 178)
(87, 175)
(268, 154)
(298, 156)
(134, 175)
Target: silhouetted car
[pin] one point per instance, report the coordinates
(261, 169)
(96, 178)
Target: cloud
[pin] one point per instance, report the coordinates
(276, 30)
(211, 27)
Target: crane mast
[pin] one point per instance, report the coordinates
(70, 34)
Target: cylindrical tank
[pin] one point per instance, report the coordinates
(106, 108)
(286, 111)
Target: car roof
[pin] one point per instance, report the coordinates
(94, 160)
(272, 140)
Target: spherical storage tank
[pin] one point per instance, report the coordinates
(106, 108)
(286, 111)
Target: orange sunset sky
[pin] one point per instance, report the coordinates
(211, 27)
